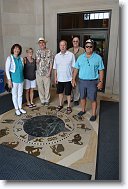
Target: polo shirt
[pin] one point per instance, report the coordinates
(63, 64)
(89, 67)
(78, 53)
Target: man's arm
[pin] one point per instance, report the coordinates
(101, 78)
(75, 72)
(55, 76)
(37, 57)
(51, 64)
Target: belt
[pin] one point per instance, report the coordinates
(89, 79)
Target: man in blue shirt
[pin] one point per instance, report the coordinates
(91, 73)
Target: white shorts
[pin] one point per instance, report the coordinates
(29, 84)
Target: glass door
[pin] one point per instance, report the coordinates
(100, 40)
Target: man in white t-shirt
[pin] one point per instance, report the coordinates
(63, 68)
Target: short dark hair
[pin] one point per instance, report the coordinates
(13, 47)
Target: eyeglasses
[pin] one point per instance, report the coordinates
(75, 41)
(89, 47)
(88, 62)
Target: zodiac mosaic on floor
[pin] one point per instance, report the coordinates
(48, 134)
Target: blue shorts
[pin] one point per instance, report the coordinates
(88, 88)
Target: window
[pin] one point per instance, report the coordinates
(84, 20)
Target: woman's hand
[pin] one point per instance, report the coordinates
(10, 84)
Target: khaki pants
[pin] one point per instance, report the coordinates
(43, 84)
(75, 91)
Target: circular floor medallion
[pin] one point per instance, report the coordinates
(44, 126)
(43, 129)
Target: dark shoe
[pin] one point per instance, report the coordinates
(76, 103)
(93, 118)
(81, 113)
(43, 103)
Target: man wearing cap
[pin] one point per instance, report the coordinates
(91, 73)
(44, 60)
(77, 51)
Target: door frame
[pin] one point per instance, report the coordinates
(81, 33)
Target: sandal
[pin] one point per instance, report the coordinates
(59, 108)
(69, 110)
(33, 105)
(29, 105)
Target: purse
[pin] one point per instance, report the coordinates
(7, 88)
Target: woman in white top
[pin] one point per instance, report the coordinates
(14, 72)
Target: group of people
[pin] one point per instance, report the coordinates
(78, 73)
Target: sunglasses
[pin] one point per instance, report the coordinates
(75, 41)
(89, 47)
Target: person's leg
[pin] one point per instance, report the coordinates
(76, 93)
(94, 107)
(83, 104)
(69, 100)
(40, 85)
(27, 87)
(68, 91)
(60, 90)
(20, 94)
(32, 87)
(61, 96)
(27, 96)
(83, 94)
(46, 88)
(31, 96)
(92, 95)
(15, 95)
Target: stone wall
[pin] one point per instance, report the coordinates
(24, 21)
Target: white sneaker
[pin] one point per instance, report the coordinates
(23, 111)
(18, 113)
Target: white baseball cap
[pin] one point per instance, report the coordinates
(41, 39)
(89, 41)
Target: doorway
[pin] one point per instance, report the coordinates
(85, 25)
